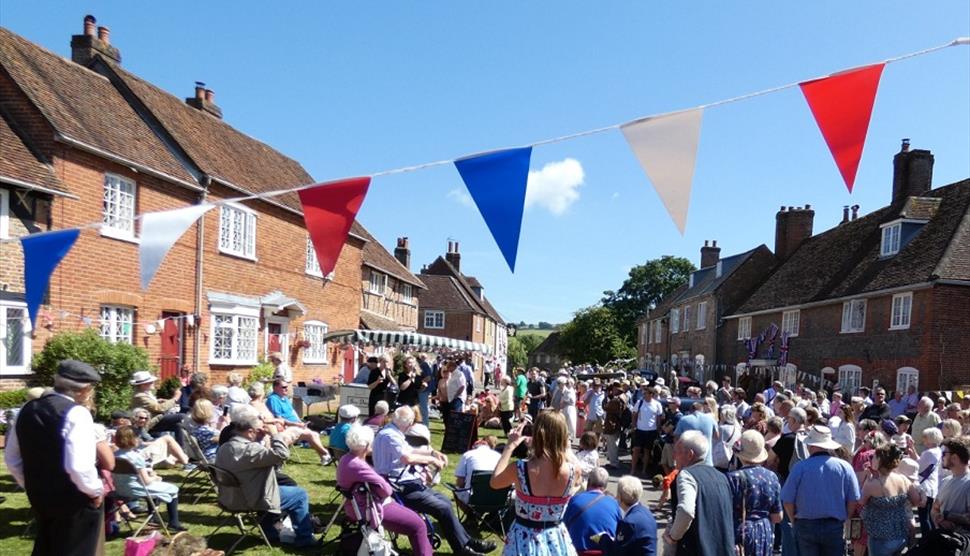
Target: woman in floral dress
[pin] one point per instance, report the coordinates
(756, 495)
(543, 485)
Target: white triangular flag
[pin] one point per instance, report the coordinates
(159, 232)
(666, 147)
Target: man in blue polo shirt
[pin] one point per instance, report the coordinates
(279, 403)
(592, 512)
(701, 422)
(819, 495)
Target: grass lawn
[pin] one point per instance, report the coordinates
(200, 519)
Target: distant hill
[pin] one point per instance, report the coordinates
(534, 332)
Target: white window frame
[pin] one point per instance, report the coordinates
(314, 331)
(685, 325)
(312, 264)
(478, 323)
(433, 316)
(904, 303)
(657, 331)
(115, 317)
(119, 223)
(790, 322)
(702, 315)
(744, 328)
(25, 346)
(674, 321)
(850, 378)
(891, 239)
(906, 377)
(848, 308)
(4, 213)
(377, 283)
(236, 316)
(407, 293)
(248, 217)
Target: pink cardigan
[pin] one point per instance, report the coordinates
(352, 470)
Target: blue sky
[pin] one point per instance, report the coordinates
(360, 87)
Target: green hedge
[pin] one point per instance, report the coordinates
(13, 398)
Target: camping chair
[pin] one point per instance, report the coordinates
(202, 468)
(226, 479)
(487, 508)
(125, 467)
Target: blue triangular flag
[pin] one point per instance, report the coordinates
(497, 182)
(42, 253)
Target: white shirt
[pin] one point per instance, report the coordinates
(481, 458)
(456, 386)
(647, 412)
(79, 451)
(930, 459)
(237, 396)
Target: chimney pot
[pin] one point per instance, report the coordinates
(714, 243)
(912, 173)
(782, 209)
(454, 257)
(710, 254)
(90, 24)
(808, 207)
(199, 90)
(905, 146)
(210, 95)
(104, 35)
(403, 253)
(855, 211)
(705, 243)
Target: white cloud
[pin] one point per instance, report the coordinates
(461, 195)
(554, 188)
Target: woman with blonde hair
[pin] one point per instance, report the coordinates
(206, 434)
(543, 484)
(951, 428)
(236, 395)
(843, 430)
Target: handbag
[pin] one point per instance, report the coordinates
(142, 546)
(373, 543)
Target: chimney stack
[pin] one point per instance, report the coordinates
(912, 173)
(710, 254)
(855, 211)
(204, 100)
(92, 42)
(453, 256)
(845, 214)
(403, 252)
(792, 227)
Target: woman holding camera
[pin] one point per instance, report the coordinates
(543, 484)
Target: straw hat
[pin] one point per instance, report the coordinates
(751, 447)
(142, 377)
(821, 437)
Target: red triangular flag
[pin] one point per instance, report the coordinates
(842, 106)
(329, 210)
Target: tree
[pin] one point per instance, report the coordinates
(593, 336)
(530, 341)
(518, 356)
(543, 325)
(644, 287)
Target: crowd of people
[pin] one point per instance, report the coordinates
(786, 470)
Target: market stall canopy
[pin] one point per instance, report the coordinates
(398, 338)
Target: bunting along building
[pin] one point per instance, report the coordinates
(86, 141)
(455, 306)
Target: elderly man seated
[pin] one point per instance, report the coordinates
(636, 533)
(254, 464)
(281, 407)
(165, 417)
(396, 460)
(592, 512)
(482, 457)
(346, 416)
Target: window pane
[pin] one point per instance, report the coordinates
(222, 337)
(246, 345)
(14, 342)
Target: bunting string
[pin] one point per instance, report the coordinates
(962, 41)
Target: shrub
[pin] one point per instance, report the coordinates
(115, 362)
(13, 398)
(260, 373)
(168, 387)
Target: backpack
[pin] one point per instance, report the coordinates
(626, 418)
(801, 450)
(724, 449)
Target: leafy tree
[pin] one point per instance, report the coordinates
(645, 285)
(530, 341)
(593, 336)
(543, 325)
(115, 362)
(518, 356)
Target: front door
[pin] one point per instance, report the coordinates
(350, 364)
(275, 339)
(172, 344)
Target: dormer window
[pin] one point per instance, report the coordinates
(719, 269)
(890, 239)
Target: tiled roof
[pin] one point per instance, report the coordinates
(442, 267)
(550, 345)
(920, 208)
(491, 311)
(706, 279)
(473, 282)
(23, 165)
(375, 256)
(372, 321)
(217, 148)
(84, 106)
(445, 293)
(668, 301)
(846, 260)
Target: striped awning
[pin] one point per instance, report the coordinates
(398, 338)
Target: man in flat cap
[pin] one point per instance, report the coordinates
(51, 454)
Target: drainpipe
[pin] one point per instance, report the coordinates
(199, 256)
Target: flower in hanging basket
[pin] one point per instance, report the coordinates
(303, 344)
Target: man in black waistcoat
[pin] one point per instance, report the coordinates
(703, 502)
(51, 454)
